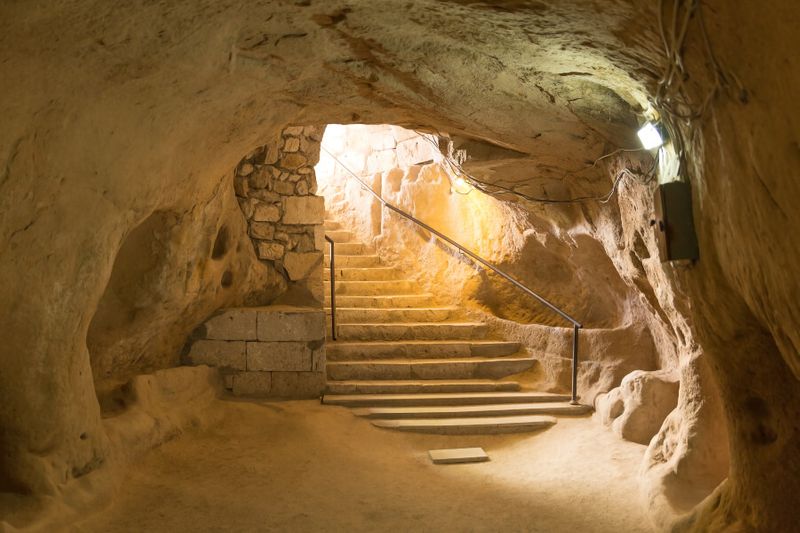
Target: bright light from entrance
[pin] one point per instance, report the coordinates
(461, 186)
(650, 136)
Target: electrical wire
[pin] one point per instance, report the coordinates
(671, 98)
(456, 169)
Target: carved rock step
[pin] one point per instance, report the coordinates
(366, 315)
(411, 331)
(349, 248)
(428, 400)
(373, 288)
(420, 386)
(379, 301)
(476, 367)
(380, 273)
(470, 426)
(340, 235)
(332, 224)
(473, 411)
(352, 261)
(442, 349)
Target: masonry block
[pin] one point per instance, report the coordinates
(285, 323)
(318, 359)
(270, 251)
(262, 230)
(303, 210)
(301, 265)
(266, 213)
(293, 161)
(222, 354)
(252, 383)
(319, 239)
(232, 325)
(314, 283)
(278, 356)
(297, 384)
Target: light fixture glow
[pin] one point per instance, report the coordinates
(461, 186)
(650, 136)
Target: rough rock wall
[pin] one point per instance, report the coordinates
(115, 112)
(275, 187)
(171, 271)
(744, 299)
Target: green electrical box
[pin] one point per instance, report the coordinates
(673, 225)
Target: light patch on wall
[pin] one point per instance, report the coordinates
(407, 169)
(461, 186)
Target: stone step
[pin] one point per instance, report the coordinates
(445, 399)
(470, 426)
(411, 331)
(340, 235)
(441, 349)
(349, 248)
(467, 368)
(473, 411)
(352, 261)
(332, 224)
(378, 273)
(419, 386)
(379, 302)
(366, 315)
(373, 288)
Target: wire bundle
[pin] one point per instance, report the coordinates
(493, 189)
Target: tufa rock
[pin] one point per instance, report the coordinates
(271, 154)
(284, 188)
(259, 179)
(241, 186)
(293, 161)
(270, 251)
(262, 230)
(245, 169)
(265, 195)
(292, 145)
(294, 131)
(266, 212)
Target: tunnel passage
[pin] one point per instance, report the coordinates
(533, 88)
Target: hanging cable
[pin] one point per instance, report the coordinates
(456, 169)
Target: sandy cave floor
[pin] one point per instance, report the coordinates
(301, 466)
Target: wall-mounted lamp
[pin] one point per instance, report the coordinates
(652, 135)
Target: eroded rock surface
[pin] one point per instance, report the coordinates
(637, 408)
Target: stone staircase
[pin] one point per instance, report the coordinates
(404, 363)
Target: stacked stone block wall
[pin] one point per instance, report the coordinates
(276, 187)
(273, 351)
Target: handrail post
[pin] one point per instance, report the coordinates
(575, 330)
(333, 288)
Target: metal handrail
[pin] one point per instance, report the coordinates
(576, 325)
(333, 288)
